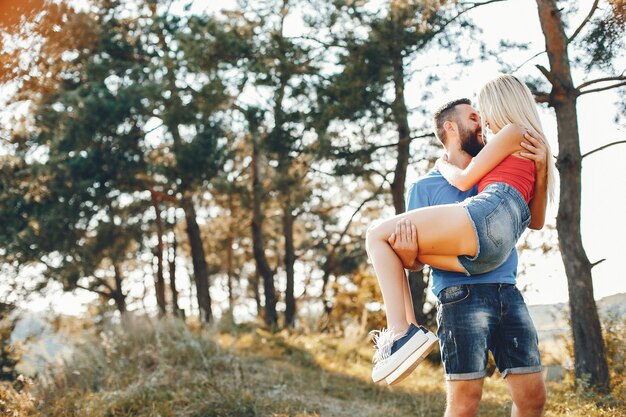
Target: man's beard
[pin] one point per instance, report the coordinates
(469, 141)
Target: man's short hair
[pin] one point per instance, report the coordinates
(447, 112)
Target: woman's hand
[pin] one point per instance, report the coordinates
(404, 243)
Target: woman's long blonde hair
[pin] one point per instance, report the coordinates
(505, 100)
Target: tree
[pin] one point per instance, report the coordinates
(74, 222)
(286, 69)
(200, 54)
(603, 41)
(280, 71)
(121, 80)
(9, 355)
(376, 48)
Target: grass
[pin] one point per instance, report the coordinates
(167, 368)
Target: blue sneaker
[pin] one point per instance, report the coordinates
(391, 354)
(409, 365)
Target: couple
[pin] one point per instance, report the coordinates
(485, 196)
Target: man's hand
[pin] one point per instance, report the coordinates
(404, 243)
(537, 151)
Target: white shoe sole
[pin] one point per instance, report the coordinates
(390, 364)
(409, 365)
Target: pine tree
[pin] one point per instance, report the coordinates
(601, 37)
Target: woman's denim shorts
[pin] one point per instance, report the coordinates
(499, 215)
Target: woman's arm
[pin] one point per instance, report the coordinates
(537, 151)
(503, 144)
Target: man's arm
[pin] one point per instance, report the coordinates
(537, 151)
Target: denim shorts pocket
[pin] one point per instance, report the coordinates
(499, 223)
(453, 294)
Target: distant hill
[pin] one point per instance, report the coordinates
(552, 319)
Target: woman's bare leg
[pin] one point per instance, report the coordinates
(445, 262)
(442, 230)
(409, 312)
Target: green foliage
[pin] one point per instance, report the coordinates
(375, 48)
(9, 354)
(604, 37)
(86, 159)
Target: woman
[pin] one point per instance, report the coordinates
(472, 237)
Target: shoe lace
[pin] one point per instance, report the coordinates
(383, 340)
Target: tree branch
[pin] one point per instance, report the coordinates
(104, 283)
(603, 147)
(591, 12)
(445, 24)
(319, 171)
(528, 60)
(345, 230)
(347, 227)
(548, 75)
(597, 262)
(102, 293)
(391, 145)
(154, 128)
(322, 43)
(599, 80)
(424, 135)
(161, 196)
(475, 4)
(541, 97)
(595, 90)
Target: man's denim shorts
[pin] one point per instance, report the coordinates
(499, 215)
(476, 318)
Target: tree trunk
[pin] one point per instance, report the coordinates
(176, 311)
(191, 287)
(117, 294)
(200, 268)
(160, 280)
(198, 259)
(404, 135)
(230, 240)
(255, 281)
(417, 286)
(258, 241)
(290, 259)
(417, 283)
(589, 351)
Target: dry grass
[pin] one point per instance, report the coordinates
(167, 368)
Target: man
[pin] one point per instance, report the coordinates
(484, 312)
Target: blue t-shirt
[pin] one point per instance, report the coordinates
(433, 190)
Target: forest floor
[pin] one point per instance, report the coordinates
(166, 368)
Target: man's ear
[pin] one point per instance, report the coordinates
(450, 127)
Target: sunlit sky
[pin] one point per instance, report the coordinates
(604, 173)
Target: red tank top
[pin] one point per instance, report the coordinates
(515, 171)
